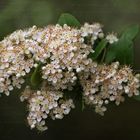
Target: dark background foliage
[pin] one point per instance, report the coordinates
(121, 122)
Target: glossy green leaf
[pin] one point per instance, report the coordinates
(36, 76)
(69, 20)
(121, 51)
(110, 55)
(99, 48)
(124, 51)
(131, 32)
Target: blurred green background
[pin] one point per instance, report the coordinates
(121, 122)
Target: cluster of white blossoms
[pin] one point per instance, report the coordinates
(109, 83)
(112, 38)
(45, 103)
(64, 53)
(69, 55)
(92, 30)
(61, 49)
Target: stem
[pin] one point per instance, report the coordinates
(103, 57)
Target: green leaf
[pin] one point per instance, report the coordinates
(36, 76)
(110, 56)
(69, 20)
(99, 48)
(121, 51)
(124, 51)
(131, 32)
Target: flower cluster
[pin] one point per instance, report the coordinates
(112, 38)
(13, 67)
(62, 49)
(45, 103)
(68, 56)
(64, 54)
(94, 31)
(107, 84)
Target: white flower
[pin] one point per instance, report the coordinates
(111, 38)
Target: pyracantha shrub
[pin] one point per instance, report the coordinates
(58, 62)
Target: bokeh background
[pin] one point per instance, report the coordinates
(121, 122)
